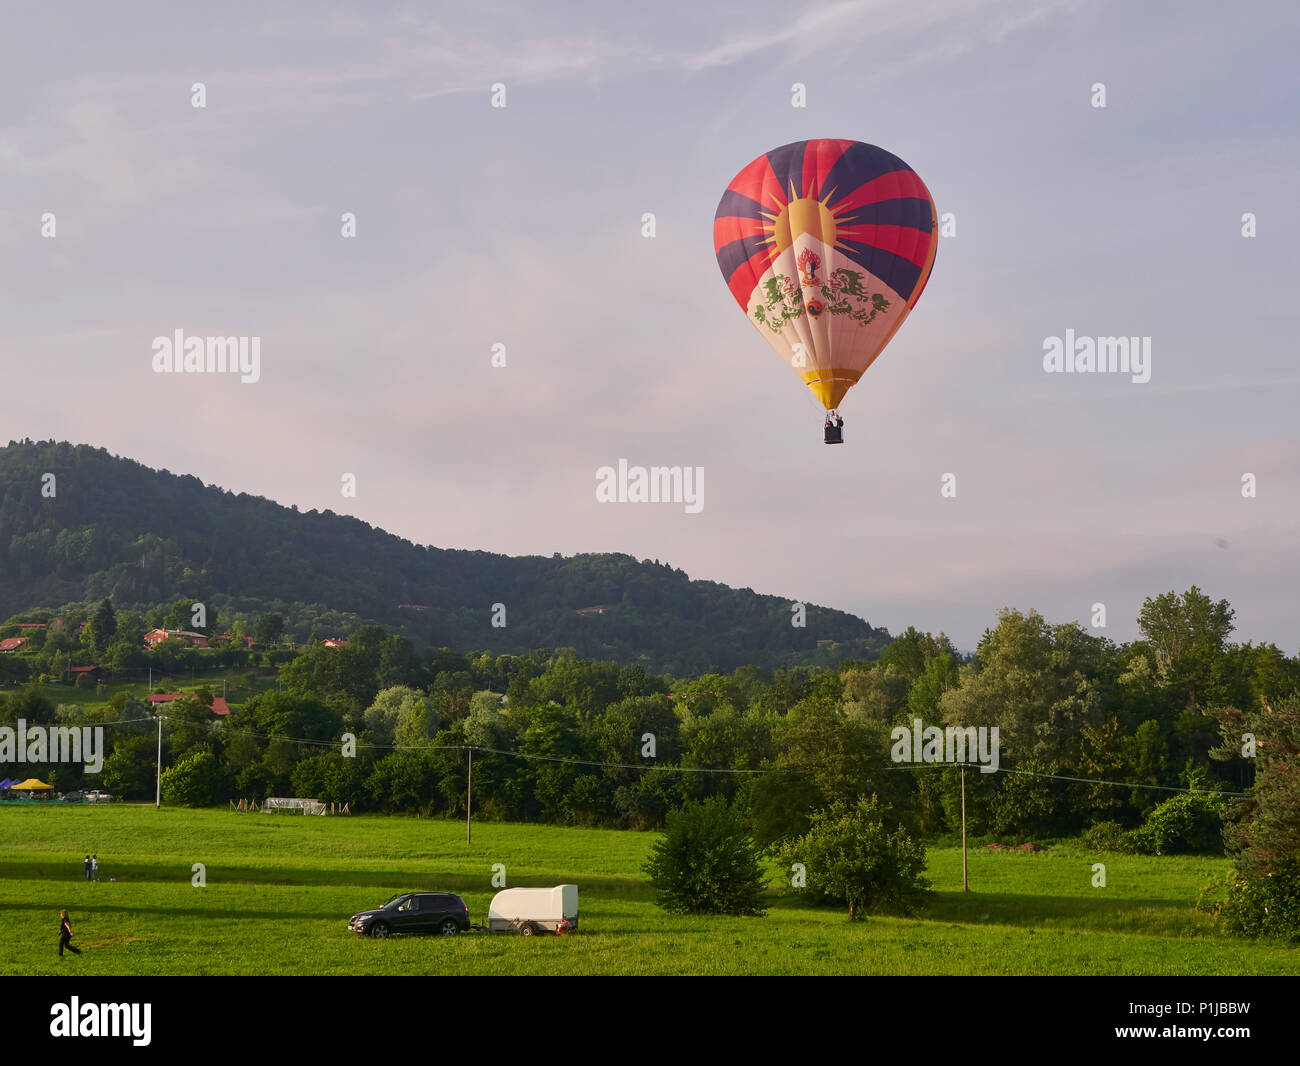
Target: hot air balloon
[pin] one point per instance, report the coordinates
(827, 246)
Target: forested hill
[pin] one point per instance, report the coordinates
(115, 528)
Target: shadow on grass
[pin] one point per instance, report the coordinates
(1035, 910)
(394, 881)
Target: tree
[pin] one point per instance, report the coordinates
(1147, 755)
(1035, 682)
(268, 629)
(181, 615)
(329, 777)
(1188, 634)
(850, 856)
(404, 780)
(103, 627)
(198, 780)
(400, 715)
(876, 694)
(1190, 823)
(1264, 827)
(823, 756)
(706, 863)
(128, 773)
(912, 652)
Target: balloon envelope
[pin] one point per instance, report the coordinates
(826, 245)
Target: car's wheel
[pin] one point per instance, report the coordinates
(527, 929)
(379, 930)
(449, 927)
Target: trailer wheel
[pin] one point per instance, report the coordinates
(527, 929)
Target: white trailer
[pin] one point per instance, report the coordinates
(534, 910)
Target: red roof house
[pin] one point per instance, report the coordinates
(156, 636)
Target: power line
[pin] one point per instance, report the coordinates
(679, 769)
(1063, 777)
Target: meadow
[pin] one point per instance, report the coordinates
(280, 889)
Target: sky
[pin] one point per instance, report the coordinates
(480, 225)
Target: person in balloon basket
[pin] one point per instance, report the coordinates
(834, 428)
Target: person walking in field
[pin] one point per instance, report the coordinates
(87, 865)
(65, 934)
(94, 867)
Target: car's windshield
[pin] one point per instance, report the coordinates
(394, 900)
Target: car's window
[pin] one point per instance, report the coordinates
(424, 903)
(408, 904)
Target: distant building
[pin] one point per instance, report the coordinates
(156, 636)
(413, 606)
(334, 642)
(95, 673)
(248, 639)
(12, 643)
(31, 625)
(591, 610)
(219, 706)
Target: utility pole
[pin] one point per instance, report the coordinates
(965, 885)
(157, 801)
(469, 799)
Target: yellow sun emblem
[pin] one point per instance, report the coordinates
(804, 215)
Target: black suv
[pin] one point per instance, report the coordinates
(414, 912)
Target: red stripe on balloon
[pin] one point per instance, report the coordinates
(745, 278)
(726, 230)
(898, 184)
(900, 240)
(818, 158)
(758, 182)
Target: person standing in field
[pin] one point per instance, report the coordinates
(94, 867)
(87, 865)
(65, 934)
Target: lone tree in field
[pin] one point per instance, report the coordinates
(706, 863)
(850, 856)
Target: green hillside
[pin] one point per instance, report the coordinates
(115, 528)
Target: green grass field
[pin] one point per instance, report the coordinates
(280, 889)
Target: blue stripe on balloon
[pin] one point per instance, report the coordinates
(905, 211)
(738, 205)
(732, 255)
(787, 164)
(859, 164)
(898, 273)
